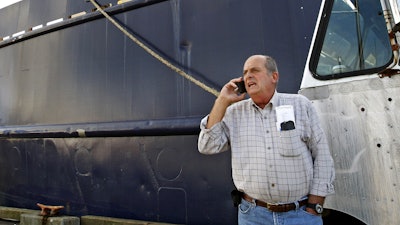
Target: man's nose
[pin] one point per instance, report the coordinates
(247, 75)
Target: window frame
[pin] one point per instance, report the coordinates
(318, 45)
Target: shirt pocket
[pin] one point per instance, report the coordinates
(289, 143)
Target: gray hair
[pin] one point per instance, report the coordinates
(270, 64)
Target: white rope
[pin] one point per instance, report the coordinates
(154, 54)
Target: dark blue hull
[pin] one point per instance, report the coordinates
(90, 121)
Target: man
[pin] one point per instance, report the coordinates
(281, 162)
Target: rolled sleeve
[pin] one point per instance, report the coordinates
(212, 140)
(322, 189)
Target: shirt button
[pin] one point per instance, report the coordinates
(269, 148)
(267, 131)
(272, 185)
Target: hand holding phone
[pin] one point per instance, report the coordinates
(241, 87)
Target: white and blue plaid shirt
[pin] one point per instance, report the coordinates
(271, 165)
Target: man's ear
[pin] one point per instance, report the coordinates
(275, 76)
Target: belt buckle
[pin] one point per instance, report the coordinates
(272, 205)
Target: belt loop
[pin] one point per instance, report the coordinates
(253, 202)
(297, 205)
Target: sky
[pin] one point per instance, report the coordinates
(4, 3)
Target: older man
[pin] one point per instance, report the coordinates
(281, 162)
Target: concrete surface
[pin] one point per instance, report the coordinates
(17, 216)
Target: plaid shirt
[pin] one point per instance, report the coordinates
(267, 164)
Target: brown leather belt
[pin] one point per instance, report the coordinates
(274, 207)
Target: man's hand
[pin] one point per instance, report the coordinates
(230, 92)
(314, 199)
(311, 211)
(227, 96)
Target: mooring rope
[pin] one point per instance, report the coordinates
(154, 54)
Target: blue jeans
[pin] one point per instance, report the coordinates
(250, 214)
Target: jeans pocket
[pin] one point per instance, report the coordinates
(244, 207)
(303, 210)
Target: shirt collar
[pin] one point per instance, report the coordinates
(273, 102)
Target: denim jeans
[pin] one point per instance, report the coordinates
(250, 214)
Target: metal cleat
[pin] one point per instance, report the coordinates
(49, 210)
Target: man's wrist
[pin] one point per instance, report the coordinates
(317, 208)
(315, 204)
(223, 102)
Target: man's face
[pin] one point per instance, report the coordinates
(258, 80)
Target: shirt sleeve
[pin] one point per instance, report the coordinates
(213, 140)
(324, 172)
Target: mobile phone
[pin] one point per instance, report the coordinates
(241, 87)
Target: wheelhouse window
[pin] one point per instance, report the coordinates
(352, 39)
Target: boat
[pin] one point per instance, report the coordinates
(100, 101)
